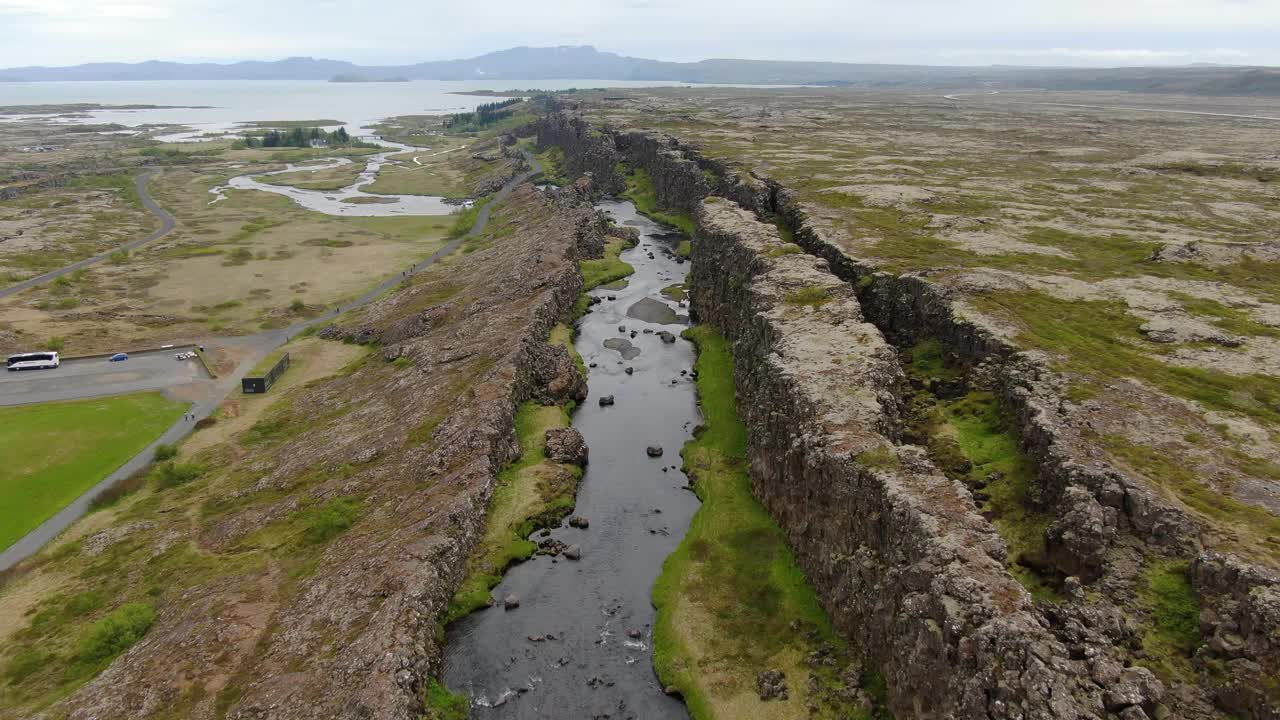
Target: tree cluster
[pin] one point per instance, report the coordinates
(484, 115)
(299, 137)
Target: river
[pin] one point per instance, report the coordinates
(638, 508)
(350, 200)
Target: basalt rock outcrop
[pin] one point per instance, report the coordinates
(902, 560)
(566, 445)
(587, 151)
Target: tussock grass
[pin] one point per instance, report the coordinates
(809, 296)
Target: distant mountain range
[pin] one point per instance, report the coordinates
(587, 63)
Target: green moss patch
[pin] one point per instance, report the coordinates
(971, 439)
(731, 599)
(607, 269)
(641, 193)
(1171, 630)
(532, 493)
(438, 703)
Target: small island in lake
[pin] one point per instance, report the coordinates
(356, 78)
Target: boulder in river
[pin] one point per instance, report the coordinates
(630, 370)
(667, 337)
(606, 400)
(654, 450)
(510, 602)
(623, 347)
(577, 521)
(653, 311)
(573, 552)
(566, 445)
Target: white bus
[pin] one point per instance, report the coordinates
(33, 361)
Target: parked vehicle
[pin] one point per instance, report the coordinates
(119, 357)
(33, 361)
(188, 355)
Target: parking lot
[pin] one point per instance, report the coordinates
(95, 377)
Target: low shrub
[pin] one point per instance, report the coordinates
(330, 520)
(111, 636)
(172, 474)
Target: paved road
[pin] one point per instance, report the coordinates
(166, 224)
(258, 346)
(76, 379)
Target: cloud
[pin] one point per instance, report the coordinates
(1085, 32)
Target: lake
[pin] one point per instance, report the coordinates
(356, 104)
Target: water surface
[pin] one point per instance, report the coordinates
(638, 509)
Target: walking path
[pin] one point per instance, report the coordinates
(166, 225)
(258, 346)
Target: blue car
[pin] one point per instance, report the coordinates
(119, 357)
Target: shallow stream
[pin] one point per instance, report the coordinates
(340, 202)
(580, 645)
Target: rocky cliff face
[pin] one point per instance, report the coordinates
(905, 564)
(1107, 524)
(420, 444)
(587, 151)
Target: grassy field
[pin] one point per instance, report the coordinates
(443, 172)
(252, 262)
(56, 451)
(729, 595)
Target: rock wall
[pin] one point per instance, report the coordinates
(587, 150)
(1239, 621)
(392, 659)
(902, 561)
(681, 175)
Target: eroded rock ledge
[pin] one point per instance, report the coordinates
(905, 564)
(1106, 521)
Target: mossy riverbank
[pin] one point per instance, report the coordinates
(532, 493)
(731, 600)
(640, 191)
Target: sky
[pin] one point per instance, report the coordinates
(933, 32)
